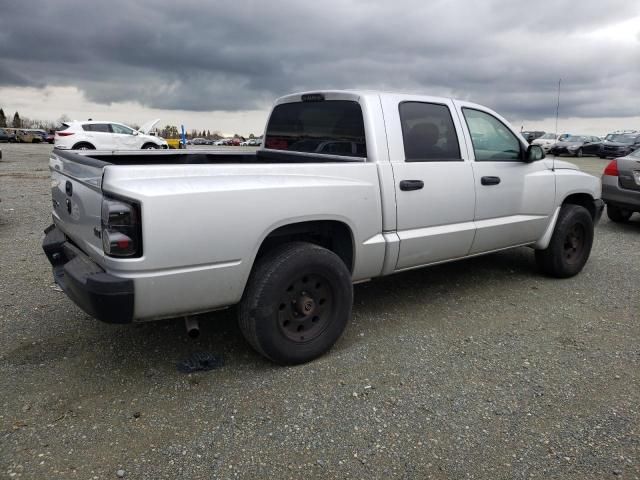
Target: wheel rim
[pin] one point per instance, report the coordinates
(579, 153)
(83, 148)
(574, 243)
(305, 308)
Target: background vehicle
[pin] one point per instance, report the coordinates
(7, 135)
(284, 232)
(27, 136)
(530, 136)
(621, 187)
(98, 135)
(577, 145)
(619, 144)
(41, 133)
(174, 143)
(200, 141)
(546, 141)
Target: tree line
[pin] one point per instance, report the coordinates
(169, 131)
(24, 122)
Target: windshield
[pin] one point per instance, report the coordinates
(575, 138)
(548, 136)
(620, 138)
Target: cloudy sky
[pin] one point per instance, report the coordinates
(219, 65)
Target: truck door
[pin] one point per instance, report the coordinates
(514, 199)
(435, 195)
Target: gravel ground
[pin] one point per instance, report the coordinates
(476, 369)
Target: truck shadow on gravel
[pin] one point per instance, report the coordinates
(381, 307)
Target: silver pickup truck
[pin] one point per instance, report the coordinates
(349, 185)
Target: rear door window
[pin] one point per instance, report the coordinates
(97, 127)
(428, 133)
(332, 127)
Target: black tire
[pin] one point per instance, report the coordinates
(617, 214)
(83, 146)
(579, 152)
(570, 244)
(149, 146)
(297, 303)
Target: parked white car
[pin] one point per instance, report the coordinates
(105, 135)
(546, 141)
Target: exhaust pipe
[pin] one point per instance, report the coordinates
(193, 326)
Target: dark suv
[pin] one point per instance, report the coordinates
(619, 144)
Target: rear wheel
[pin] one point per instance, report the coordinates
(297, 303)
(579, 153)
(570, 244)
(83, 146)
(617, 214)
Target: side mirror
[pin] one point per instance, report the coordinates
(135, 132)
(533, 153)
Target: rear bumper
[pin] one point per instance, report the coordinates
(614, 194)
(101, 295)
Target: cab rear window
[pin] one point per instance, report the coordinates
(333, 127)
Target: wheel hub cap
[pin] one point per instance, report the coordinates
(305, 305)
(305, 308)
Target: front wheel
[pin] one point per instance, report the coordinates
(149, 146)
(570, 244)
(579, 153)
(617, 214)
(297, 303)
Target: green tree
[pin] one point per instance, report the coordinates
(251, 135)
(3, 118)
(17, 123)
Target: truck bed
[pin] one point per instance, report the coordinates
(97, 158)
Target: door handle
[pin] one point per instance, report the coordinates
(407, 185)
(490, 180)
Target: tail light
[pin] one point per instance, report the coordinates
(612, 168)
(121, 228)
(64, 134)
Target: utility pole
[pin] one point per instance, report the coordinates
(558, 105)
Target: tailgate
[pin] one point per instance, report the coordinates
(629, 173)
(77, 199)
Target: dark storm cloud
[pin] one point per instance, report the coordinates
(240, 55)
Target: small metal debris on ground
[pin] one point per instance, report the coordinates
(200, 361)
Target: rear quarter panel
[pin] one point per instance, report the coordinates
(203, 224)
